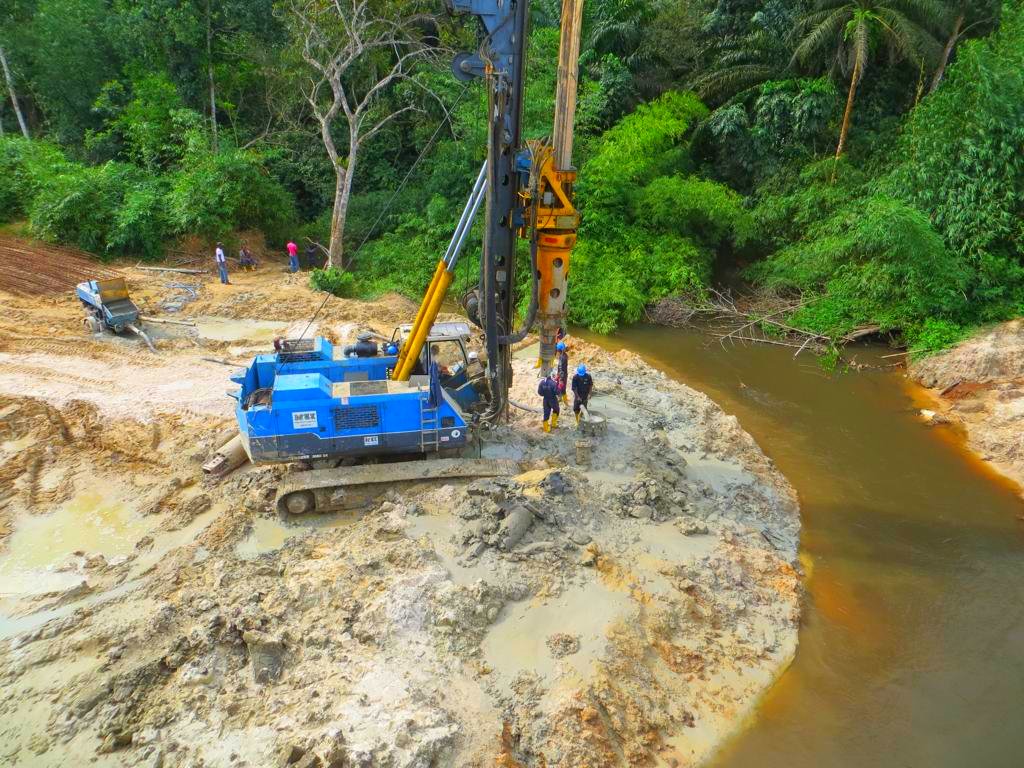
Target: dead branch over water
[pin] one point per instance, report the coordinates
(757, 318)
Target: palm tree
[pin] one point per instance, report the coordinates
(851, 33)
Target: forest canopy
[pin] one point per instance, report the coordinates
(864, 157)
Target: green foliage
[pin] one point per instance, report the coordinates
(650, 228)
(709, 213)
(25, 167)
(919, 230)
(151, 129)
(70, 59)
(214, 193)
(334, 281)
(404, 260)
(86, 205)
(874, 261)
(644, 144)
(934, 335)
(965, 164)
(117, 208)
(926, 237)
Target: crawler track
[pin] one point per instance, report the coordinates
(30, 268)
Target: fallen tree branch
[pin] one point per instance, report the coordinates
(174, 269)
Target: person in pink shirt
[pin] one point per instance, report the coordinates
(293, 256)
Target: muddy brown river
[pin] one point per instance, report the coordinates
(912, 641)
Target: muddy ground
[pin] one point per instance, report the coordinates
(625, 612)
(978, 387)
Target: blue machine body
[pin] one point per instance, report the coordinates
(308, 403)
(108, 301)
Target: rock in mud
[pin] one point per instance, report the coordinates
(513, 527)
(561, 644)
(266, 656)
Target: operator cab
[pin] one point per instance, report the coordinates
(459, 370)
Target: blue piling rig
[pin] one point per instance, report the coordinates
(305, 402)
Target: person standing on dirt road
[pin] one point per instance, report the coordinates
(582, 386)
(293, 256)
(548, 389)
(222, 263)
(563, 370)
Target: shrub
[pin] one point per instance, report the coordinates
(109, 209)
(214, 193)
(934, 335)
(26, 167)
(876, 260)
(649, 228)
(333, 280)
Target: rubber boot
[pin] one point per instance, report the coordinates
(554, 420)
(565, 400)
(547, 426)
(577, 419)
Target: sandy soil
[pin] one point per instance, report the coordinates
(625, 612)
(978, 386)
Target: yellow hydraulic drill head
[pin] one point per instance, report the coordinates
(557, 221)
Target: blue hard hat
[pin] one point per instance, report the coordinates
(582, 369)
(392, 349)
(560, 346)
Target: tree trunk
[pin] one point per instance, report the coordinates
(342, 194)
(334, 251)
(209, 69)
(947, 52)
(845, 129)
(14, 97)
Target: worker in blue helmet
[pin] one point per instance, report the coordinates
(548, 390)
(563, 370)
(582, 387)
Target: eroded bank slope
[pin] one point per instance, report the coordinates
(626, 612)
(979, 386)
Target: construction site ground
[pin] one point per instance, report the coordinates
(625, 612)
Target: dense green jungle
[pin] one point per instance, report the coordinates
(861, 159)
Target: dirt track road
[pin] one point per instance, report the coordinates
(31, 268)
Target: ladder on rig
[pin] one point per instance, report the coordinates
(429, 426)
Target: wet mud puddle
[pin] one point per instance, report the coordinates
(269, 534)
(229, 329)
(40, 552)
(57, 563)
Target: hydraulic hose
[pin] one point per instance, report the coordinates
(531, 311)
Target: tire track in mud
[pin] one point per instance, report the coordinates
(123, 385)
(44, 373)
(30, 268)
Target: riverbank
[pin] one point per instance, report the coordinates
(630, 610)
(978, 387)
(910, 649)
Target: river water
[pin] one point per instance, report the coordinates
(912, 640)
